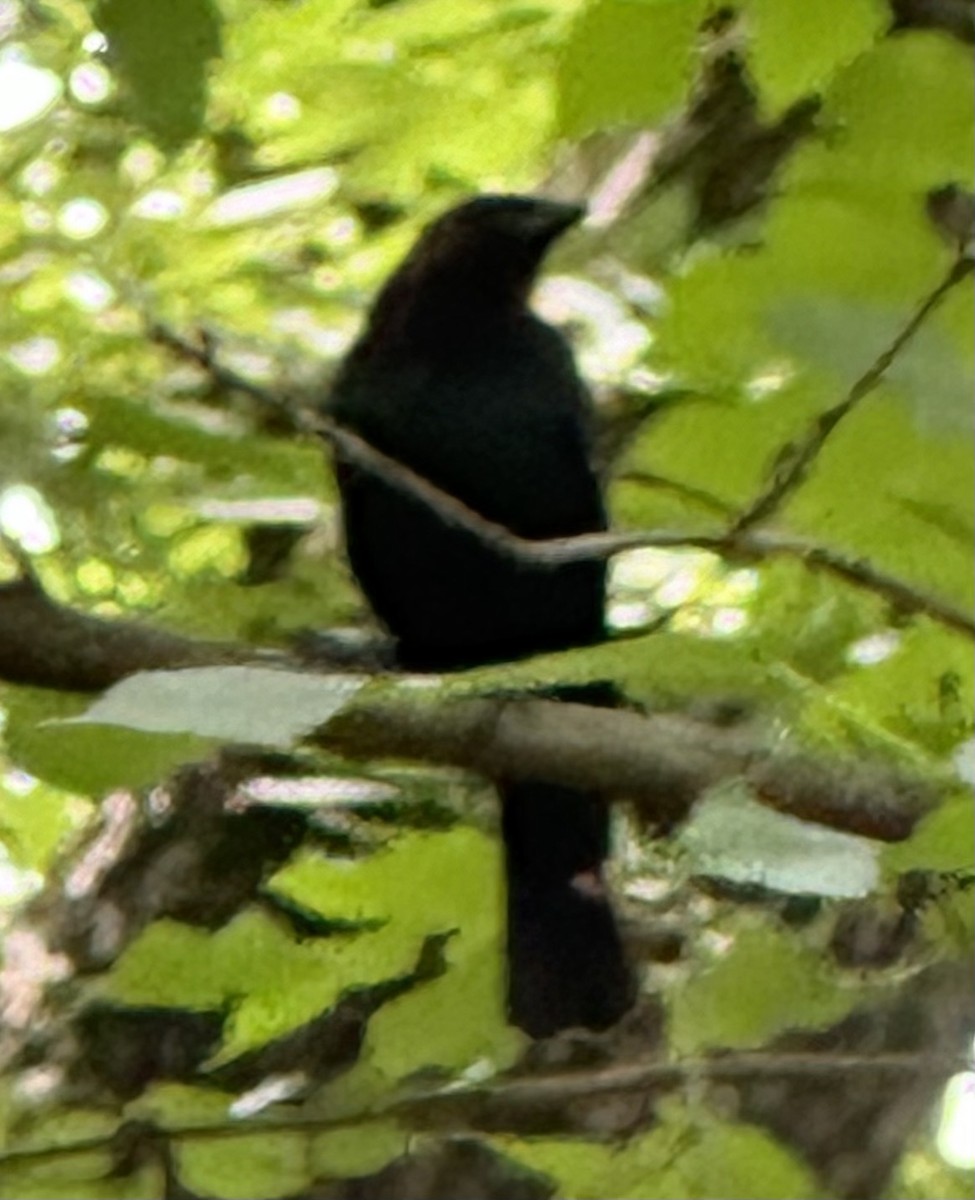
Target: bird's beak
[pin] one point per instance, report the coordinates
(551, 218)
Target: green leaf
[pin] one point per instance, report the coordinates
(82, 1176)
(843, 335)
(180, 1104)
(688, 1155)
(450, 1023)
(43, 738)
(811, 620)
(34, 823)
(665, 669)
(422, 884)
(257, 705)
(168, 964)
(627, 62)
(258, 1166)
(796, 46)
(899, 120)
(176, 966)
(862, 498)
(722, 447)
(924, 691)
(162, 49)
(79, 1177)
(735, 838)
(943, 841)
(723, 1006)
(154, 431)
(363, 1150)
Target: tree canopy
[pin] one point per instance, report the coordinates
(249, 875)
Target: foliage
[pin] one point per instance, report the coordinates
(254, 169)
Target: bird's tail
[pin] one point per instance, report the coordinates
(566, 962)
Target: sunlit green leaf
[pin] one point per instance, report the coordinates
(89, 759)
(721, 1006)
(348, 1153)
(627, 62)
(35, 822)
(795, 48)
(687, 1156)
(943, 841)
(251, 1167)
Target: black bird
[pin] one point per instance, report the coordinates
(455, 377)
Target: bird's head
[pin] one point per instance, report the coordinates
(513, 225)
(479, 258)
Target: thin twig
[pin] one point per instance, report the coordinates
(553, 552)
(794, 466)
(203, 353)
(687, 491)
(559, 1086)
(903, 596)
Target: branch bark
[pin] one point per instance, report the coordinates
(46, 644)
(663, 761)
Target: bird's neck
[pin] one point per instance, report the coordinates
(443, 309)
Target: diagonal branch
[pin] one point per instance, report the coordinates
(901, 595)
(792, 470)
(734, 543)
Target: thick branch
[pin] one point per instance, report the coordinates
(45, 644)
(663, 762)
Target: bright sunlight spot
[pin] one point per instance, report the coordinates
(873, 649)
(35, 356)
(26, 517)
(89, 290)
(956, 1133)
(26, 93)
(161, 204)
(40, 177)
(610, 341)
(90, 83)
(254, 201)
(82, 218)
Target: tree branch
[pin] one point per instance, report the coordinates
(734, 543)
(558, 1087)
(901, 595)
(662, 762)
(46, 644)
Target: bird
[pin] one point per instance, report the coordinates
(457, 378)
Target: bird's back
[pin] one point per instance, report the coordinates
(498, 420)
